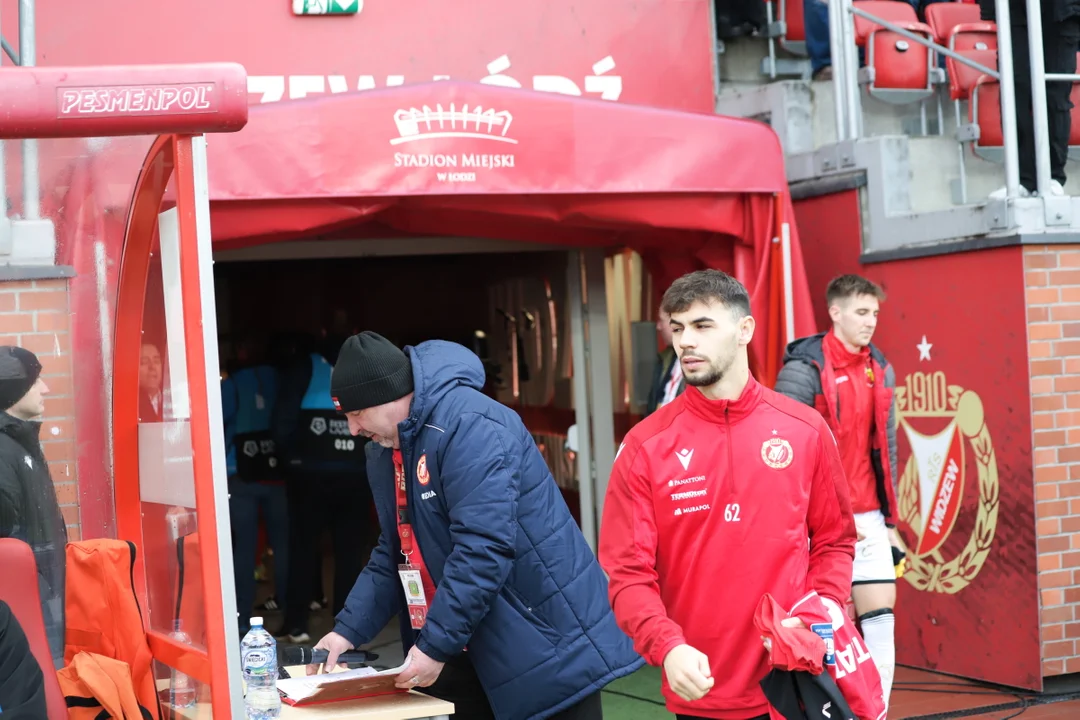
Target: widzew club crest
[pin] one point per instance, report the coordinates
(944, 424)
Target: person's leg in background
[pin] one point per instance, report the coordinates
(244, 516)
(275, 509)
(303, 529)
(317, 594)
(1061, 41)
(816, 22)
(348, 511)
(1025, 124)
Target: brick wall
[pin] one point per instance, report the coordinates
(34, 314)
(1052, 280)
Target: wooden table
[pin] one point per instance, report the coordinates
(402, 706)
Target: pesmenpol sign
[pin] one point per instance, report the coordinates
(453, 122)
(113, 101)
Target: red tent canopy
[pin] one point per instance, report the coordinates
(685, 190)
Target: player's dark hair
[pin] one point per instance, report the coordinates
(706, 286)
(849, 286)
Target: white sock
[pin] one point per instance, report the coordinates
(880, 636)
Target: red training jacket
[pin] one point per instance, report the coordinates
(851, 667)
(711, 505)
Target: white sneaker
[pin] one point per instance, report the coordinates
(1002, 192)
(1056, 189)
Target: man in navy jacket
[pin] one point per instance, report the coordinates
(502, 604)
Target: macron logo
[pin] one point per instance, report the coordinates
(684, 456)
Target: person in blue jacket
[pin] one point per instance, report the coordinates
(502, 604)
(255, 484)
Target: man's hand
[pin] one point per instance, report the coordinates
(334, 645)
(688, 672)
(894, 539)
(420, 670)
(791, 622)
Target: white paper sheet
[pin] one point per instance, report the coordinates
(299, 688)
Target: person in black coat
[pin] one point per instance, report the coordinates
(29, 510)
(1061, 41)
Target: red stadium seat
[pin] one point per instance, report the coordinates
(983, 126)
(790, 12)
(973, 36)
(985, 113)
(962, 77)
(1074, 129)
(894, 11)
(898, 69)
(944, 16)
(19, 590)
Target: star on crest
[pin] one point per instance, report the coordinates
(924, 349)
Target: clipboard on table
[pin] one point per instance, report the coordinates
(339, 686)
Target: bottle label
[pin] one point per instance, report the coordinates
(259, 661)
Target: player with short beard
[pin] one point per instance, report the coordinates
(688, 572)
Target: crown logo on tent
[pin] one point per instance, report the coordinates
(426, 124)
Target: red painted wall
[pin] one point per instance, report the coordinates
(830, 233)
(969, 606)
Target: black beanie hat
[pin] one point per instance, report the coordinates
(370, 371)
(19, 370)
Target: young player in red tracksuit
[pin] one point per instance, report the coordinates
(729, 492)
(847, 379)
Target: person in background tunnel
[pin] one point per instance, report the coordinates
(248, 395)
(151, 384)
(29, 510)
(668, 381)
(499, 597)
(849, 381)
(327, 481)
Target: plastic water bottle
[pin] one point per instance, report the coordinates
(258, 657)
(182, 693)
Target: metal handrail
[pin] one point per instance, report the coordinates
(6, 47)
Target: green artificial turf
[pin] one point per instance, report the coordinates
(636, 697)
